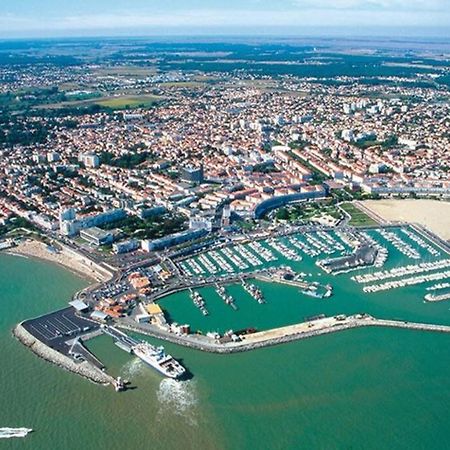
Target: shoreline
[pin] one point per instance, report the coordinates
(65, 258)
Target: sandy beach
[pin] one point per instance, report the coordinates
(64, 257)
(433, 214)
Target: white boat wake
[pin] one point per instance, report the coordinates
(7, 433)
(132, 368)
(178, 397)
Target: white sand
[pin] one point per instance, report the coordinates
(433, 214)
(69, 260)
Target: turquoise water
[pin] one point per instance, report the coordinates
(360, 389)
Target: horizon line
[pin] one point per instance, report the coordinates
(338, 32)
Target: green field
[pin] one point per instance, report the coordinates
(359, 218)
(125, 102)
(120, 102)
(182, 84)
(125, 71)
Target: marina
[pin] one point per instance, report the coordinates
(227, 284)
(378, 256)
(403, 247)
(198, 301)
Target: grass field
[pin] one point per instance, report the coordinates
(126, 71)
(358, 218)
(182, 84)
(120, 102)
(125, 102)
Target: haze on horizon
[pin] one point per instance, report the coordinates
(52, 18)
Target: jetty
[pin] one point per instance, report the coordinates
(304, 330)
(437, 297)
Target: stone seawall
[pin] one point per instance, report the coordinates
(212, 347)
(83, 369)
(288, 335)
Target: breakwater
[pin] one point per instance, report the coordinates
(84, 369)
(280, 335)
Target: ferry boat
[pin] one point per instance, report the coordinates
(157, 358)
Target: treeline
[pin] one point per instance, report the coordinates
(153, 228)
(126, 161)
(14, 131)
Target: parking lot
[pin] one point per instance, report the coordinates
(56, 328)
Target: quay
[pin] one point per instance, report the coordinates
(294, 283)
(277, 336)
(210, 281)
(86, 368)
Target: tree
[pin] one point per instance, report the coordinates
(282, 214)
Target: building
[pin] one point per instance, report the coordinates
(53, 157)
(155, 211)
(96, 236)
(283, 200)
(79, 305)
(67, 214)
(201, 223)
(90, 160)
(126, 246)
(192, 174)
(71, 227)
(172, 239)
(39, 159)
(226, 217)
(100, 316)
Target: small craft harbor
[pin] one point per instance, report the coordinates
(309, 260)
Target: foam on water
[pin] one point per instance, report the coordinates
(178, 397)
(132, 368)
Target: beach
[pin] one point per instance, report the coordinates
(432, 214)
(62, 256)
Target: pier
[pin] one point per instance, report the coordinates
(437, 297)
(122, 340)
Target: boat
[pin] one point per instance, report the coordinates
(7, 433)
(312, 292)
(253, 291)
(157, 358)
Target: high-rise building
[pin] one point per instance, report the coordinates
(91, 160)
(226, 217)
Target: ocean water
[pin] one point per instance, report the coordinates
(359, 389)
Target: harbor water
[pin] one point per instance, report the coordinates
(364, 388)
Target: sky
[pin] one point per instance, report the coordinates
(47, 18)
